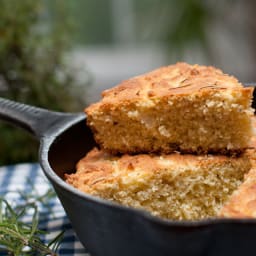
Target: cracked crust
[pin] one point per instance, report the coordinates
(178, 79)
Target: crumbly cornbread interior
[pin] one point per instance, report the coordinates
(242, 202)
(192, 109)
(175, 186)
(191, 124)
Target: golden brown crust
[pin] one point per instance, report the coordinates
(98, 167)
(178, 79)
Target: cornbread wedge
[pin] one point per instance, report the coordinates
(171, 186)
(188, 108)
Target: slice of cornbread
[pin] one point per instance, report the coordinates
(189, 108)
(172, 186)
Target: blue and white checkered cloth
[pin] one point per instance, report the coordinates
(20, 179)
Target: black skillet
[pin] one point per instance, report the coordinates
(108, 229)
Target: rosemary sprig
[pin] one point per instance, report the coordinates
(20, 238)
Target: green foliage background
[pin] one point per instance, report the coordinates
(33, 41)
(35, 36)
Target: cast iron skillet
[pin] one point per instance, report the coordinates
(108, 229)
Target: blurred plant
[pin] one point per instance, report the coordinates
(20, 234)
(34, 37)
(177, 23)
(19, 238)
(188, 26)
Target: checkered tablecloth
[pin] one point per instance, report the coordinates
(23, 179)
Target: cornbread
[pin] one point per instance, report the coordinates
(188, 108)
(171, 186)
(242, 203)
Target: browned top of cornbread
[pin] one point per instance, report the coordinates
(178, 79)
(100, 169)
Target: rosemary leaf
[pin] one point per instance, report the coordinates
(19, 238)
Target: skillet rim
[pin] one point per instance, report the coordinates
(45, 144)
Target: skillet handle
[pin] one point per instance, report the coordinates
(36, 121)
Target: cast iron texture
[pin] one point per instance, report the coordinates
(108, 229)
